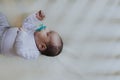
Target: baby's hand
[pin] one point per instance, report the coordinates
(40, 15)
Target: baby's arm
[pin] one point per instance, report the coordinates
(33, 21)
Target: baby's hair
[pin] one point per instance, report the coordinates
(53, 50)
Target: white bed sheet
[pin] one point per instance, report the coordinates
(91, 33)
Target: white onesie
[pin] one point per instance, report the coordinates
(21, 42)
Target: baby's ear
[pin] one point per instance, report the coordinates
(42, 47)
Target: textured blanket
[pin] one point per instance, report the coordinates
(91, 33)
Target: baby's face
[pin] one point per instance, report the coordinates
(42, 38)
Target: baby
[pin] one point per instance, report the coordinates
(31, 39)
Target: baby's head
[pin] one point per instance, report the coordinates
(48, 42)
